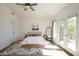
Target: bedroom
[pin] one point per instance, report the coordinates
(18, 21)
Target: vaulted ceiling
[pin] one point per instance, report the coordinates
(41, 10)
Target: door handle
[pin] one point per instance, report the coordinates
(65, 34)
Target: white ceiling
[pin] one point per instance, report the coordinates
(41, 10)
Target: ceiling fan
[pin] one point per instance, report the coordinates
(28, 4)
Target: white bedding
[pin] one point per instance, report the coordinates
(34, 40)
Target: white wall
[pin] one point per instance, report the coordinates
(64, 14)
(27, 22)
(5, 26)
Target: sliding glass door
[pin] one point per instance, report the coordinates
(67, 33)
(71, 35)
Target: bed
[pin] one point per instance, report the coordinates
(33, 42)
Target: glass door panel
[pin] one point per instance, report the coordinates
(71, 35)
(62, 31)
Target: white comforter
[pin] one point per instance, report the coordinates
(34, 40)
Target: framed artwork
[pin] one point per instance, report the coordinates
(35, 27)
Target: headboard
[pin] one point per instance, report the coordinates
(34, 34)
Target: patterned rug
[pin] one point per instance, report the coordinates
(16, 50)
(22, 52)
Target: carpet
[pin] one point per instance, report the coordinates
(16, 50)
(22, 52)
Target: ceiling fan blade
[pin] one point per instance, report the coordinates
(32, 8)
(23, 4)
(33, 4)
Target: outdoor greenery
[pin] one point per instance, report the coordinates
(61, 32)
(72, 28)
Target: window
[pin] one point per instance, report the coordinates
(71, 33)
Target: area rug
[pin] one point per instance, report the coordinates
(16, 50)
(22, 52)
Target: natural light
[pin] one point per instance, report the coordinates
(72, 33)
